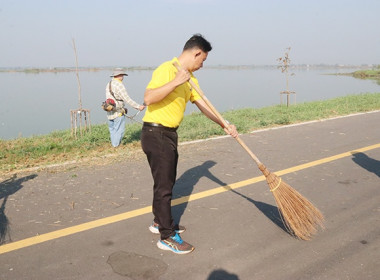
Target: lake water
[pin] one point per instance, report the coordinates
(34, 104)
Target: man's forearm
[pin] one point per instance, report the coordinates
(155, 95)
(152, 96)
(207, 111)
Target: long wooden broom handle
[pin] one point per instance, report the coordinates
(219, 116)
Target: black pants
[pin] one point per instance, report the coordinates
(160, 146)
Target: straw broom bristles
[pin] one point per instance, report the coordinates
(299, 215)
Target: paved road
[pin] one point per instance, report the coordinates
(91, 222)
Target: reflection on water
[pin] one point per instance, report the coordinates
(40, 103)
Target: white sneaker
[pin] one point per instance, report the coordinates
(154, 228)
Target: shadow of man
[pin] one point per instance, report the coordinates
(221, 274)
(370, 164)
(7, 188)
(185, 184)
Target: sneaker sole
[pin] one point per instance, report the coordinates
(167, 248)
(156, 231)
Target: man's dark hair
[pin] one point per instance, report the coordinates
(197, 41)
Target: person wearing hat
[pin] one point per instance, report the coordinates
(116, 91)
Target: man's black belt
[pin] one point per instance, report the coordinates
(157, 125)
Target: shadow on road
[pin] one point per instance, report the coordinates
(221, 274)
(370, 164)
(7, 188)
(185, 184)
(270, 211)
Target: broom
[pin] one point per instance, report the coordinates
(300, 217)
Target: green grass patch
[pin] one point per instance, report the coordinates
(60, 146)
(367, 74)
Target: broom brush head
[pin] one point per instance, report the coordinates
(301, 218)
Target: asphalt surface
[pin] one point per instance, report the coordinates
(230, 216)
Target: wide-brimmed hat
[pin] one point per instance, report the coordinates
(118, 72)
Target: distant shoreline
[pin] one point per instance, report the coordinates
(363, 74)
(33, 70)
(150, 68)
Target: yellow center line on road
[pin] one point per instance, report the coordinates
(326, 160)
(145, 210)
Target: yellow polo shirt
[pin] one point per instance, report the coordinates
(169, 111)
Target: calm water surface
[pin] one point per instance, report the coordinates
(34, 104)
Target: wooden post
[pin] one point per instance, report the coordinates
(288, 93)
(74, 113)
(83, 121)
(284, 65)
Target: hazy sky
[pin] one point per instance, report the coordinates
(39, 33)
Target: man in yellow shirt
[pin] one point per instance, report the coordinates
(165, 97)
